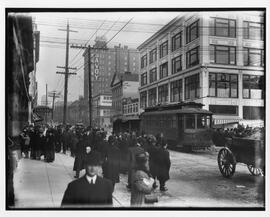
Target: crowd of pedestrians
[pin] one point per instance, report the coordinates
(143, 158)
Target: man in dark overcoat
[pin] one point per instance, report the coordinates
(152, 150)
(163, 164)
(91, 189)
(79, 154)
(112, 163)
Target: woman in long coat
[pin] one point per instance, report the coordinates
(142, 183)
(50, 146)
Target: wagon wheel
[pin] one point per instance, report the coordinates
(254, 171)
(226, 162)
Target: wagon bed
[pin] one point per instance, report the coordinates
(242, 150)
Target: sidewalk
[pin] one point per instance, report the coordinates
(38, 184)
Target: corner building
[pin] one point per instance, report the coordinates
(214, 58)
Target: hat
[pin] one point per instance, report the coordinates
(141, 158)
(93, 159)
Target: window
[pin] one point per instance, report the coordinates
(152, 97)
(192, 31)
(203, 121)
(222, 55)
(130, 108)
(223, 27)
(163, 93)
(253, 57)
(253, 87)
(144, 61)
(224, 109)
(253, 113)
(192, 57)
(153, 75)
(192, 87)
(253, 30)
(190, 121)
(163, 71)
(177, 41)
(153, 55)
(163, 49)
(143, 99)
(136, 107)
(176, 91)
(223, 85)
(125, 109)
(176, 64)
(144, 79)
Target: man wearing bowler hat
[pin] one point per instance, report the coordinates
(91, 189)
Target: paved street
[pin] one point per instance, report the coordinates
(195, 182)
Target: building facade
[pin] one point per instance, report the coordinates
(212, 58)
(102, 106)
(124, 88)
(110, 61)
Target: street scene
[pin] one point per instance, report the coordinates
(127, 109)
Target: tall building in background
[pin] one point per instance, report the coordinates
(214, 58)
(33, 86)
(111, 60)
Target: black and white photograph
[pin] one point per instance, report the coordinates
(135, 108)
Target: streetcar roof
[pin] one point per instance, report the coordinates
(180, 111)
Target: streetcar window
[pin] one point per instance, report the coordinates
(190, 122)
(203, 121)
(174, 122)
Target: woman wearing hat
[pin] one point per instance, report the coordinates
(142, 182)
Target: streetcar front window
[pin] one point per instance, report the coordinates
(203, 121)
(190, 122)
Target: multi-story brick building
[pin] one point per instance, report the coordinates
(213, 58)
(124, 88)
(111, 60)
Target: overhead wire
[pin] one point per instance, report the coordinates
(107, 42)
(87, 41)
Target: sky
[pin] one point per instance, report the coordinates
(141, 26)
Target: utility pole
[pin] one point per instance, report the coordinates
(54, 95)
(66, 73)
(46, 103)
(89, 76)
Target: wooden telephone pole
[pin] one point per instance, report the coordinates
(66, 73)
(54, 95)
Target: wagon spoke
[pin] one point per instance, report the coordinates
(254, 171)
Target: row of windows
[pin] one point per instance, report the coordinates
(163, 71)
(227, 28)
(117, 105)
(226, 86)
(218, 27)
(227, 55)
(218, 55)
(131, 108)
(192, 91)
(107, 98)
(249, 112)
(176, 64)
(220, 85)
(117, 91)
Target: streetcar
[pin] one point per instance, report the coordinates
(184, 125)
